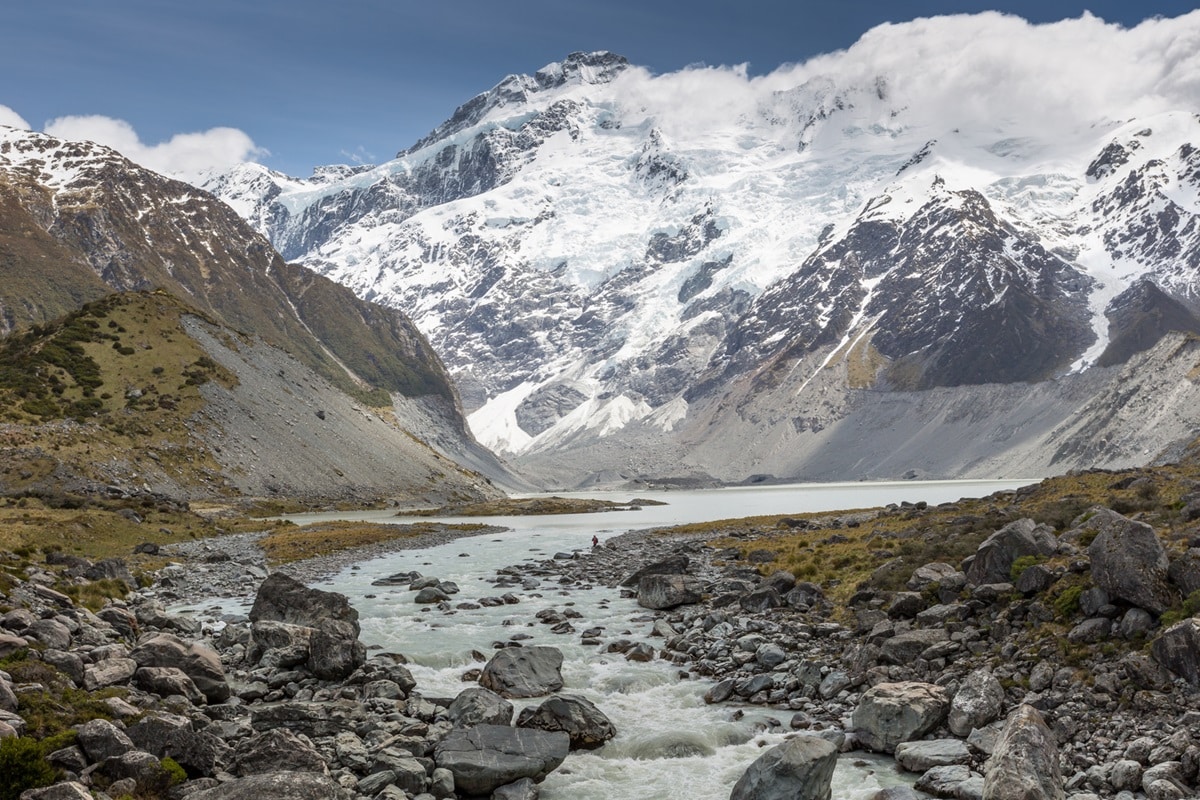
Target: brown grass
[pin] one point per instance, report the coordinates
(291, 543)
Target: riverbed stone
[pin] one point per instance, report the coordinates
(479, 706)
(576, 716)
(905, 648)
(486, 757)
(1024, 764)
(924, 755)
(891, 713)
(100, 739)
(662, 592)
(277, 750)
(799, 769)
(978, 701)
(524, 672)
(292, 785)
(282, 598)
(955, 781)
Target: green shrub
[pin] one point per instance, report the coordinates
(23, 765)
(1067, 603)
(1021, 564)
(176, 773)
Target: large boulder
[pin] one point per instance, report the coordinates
(799, 769)
(992, 562)
(977, 702)
(1128, 561)
(479, 706)
(292, 785)
(1024, 765)
(576, 716)
(200, 663)
(486, 757)
(524, 672)
(668, 591)
(891, 713)
(282, 598)
(277, 750)
(100, 740)
(905, 648)
(1178, 649)
(675, 565)
(334, 650)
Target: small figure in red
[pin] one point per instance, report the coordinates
(595, 541)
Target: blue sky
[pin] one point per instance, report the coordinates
(322, 82)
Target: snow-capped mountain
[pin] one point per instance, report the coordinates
(607, 259)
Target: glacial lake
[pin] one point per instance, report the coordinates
(670, 745)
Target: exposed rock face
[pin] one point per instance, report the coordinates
(524, 672)
(891, 713)
(294, 624)
(799, 769)
(489, 756)
(277, 750)
(668, 591)
(576, 716)
(994, 559)
(1128, 561)
(1024, 765)
(977, 702)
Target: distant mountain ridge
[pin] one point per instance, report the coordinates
(79, 222)
(612, 291)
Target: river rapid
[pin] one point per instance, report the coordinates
(669, 743)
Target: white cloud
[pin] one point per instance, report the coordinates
(987, 70)
(184, 155)
(12, 119)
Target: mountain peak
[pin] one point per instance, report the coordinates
(577, 69)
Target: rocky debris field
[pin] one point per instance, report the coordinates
(954, 676)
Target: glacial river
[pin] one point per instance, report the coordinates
(669, 745)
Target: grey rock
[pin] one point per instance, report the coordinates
(67, 790)
(524, 789)
(1024, 764)
(891, 713)
(110, 672)
(675, 565)
(100, 740)
(978, 701)
(201, 663)
(587, 726)
(929, 574)
(905, 648)
(957, 782)
(799, 769)
(282, 598)
(1090, 631)
(489, 756)
(334, 650)
(441, 784)
(166, 681)
(762, 599)
(1184, 571)
(1128, 561)
(1126, 775)
(994, 558)
(479, 706)
(1136, 622)
(660, 591)
(51, 633)
(1178, 650)
(277, 750)
(524, 672)
(924, 755)
(1035, 579)
(430, 595)
(290, 785)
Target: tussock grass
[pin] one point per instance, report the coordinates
(291, 543)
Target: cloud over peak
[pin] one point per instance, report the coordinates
(184, 155)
